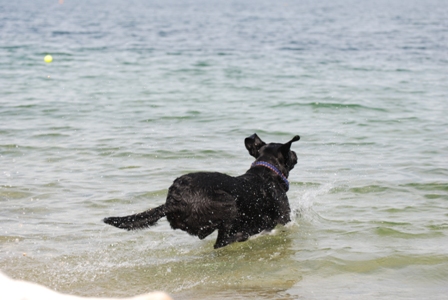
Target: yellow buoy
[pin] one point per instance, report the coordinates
(48, 58)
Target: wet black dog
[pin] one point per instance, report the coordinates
(238, 207)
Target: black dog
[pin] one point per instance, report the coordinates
(238, 207)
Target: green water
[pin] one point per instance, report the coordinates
(141, 92)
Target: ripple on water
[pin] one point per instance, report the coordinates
(401, 234)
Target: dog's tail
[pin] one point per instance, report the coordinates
(138, 221)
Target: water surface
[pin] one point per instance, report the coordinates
(141, 92)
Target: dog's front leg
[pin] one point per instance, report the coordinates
(284, 211)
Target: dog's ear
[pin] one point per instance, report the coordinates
(284, 149)
(253, 144)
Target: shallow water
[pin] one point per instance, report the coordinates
(141, 92)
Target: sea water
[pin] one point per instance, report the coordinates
(141, 92)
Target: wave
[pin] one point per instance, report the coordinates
(329, 105)
(430, 186)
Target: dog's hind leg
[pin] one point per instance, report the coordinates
(222, 240)
(225, 238)
(205, 232)
(138, 221)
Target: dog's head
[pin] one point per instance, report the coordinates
(279, 155)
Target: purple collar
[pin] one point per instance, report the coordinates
(274, 169)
